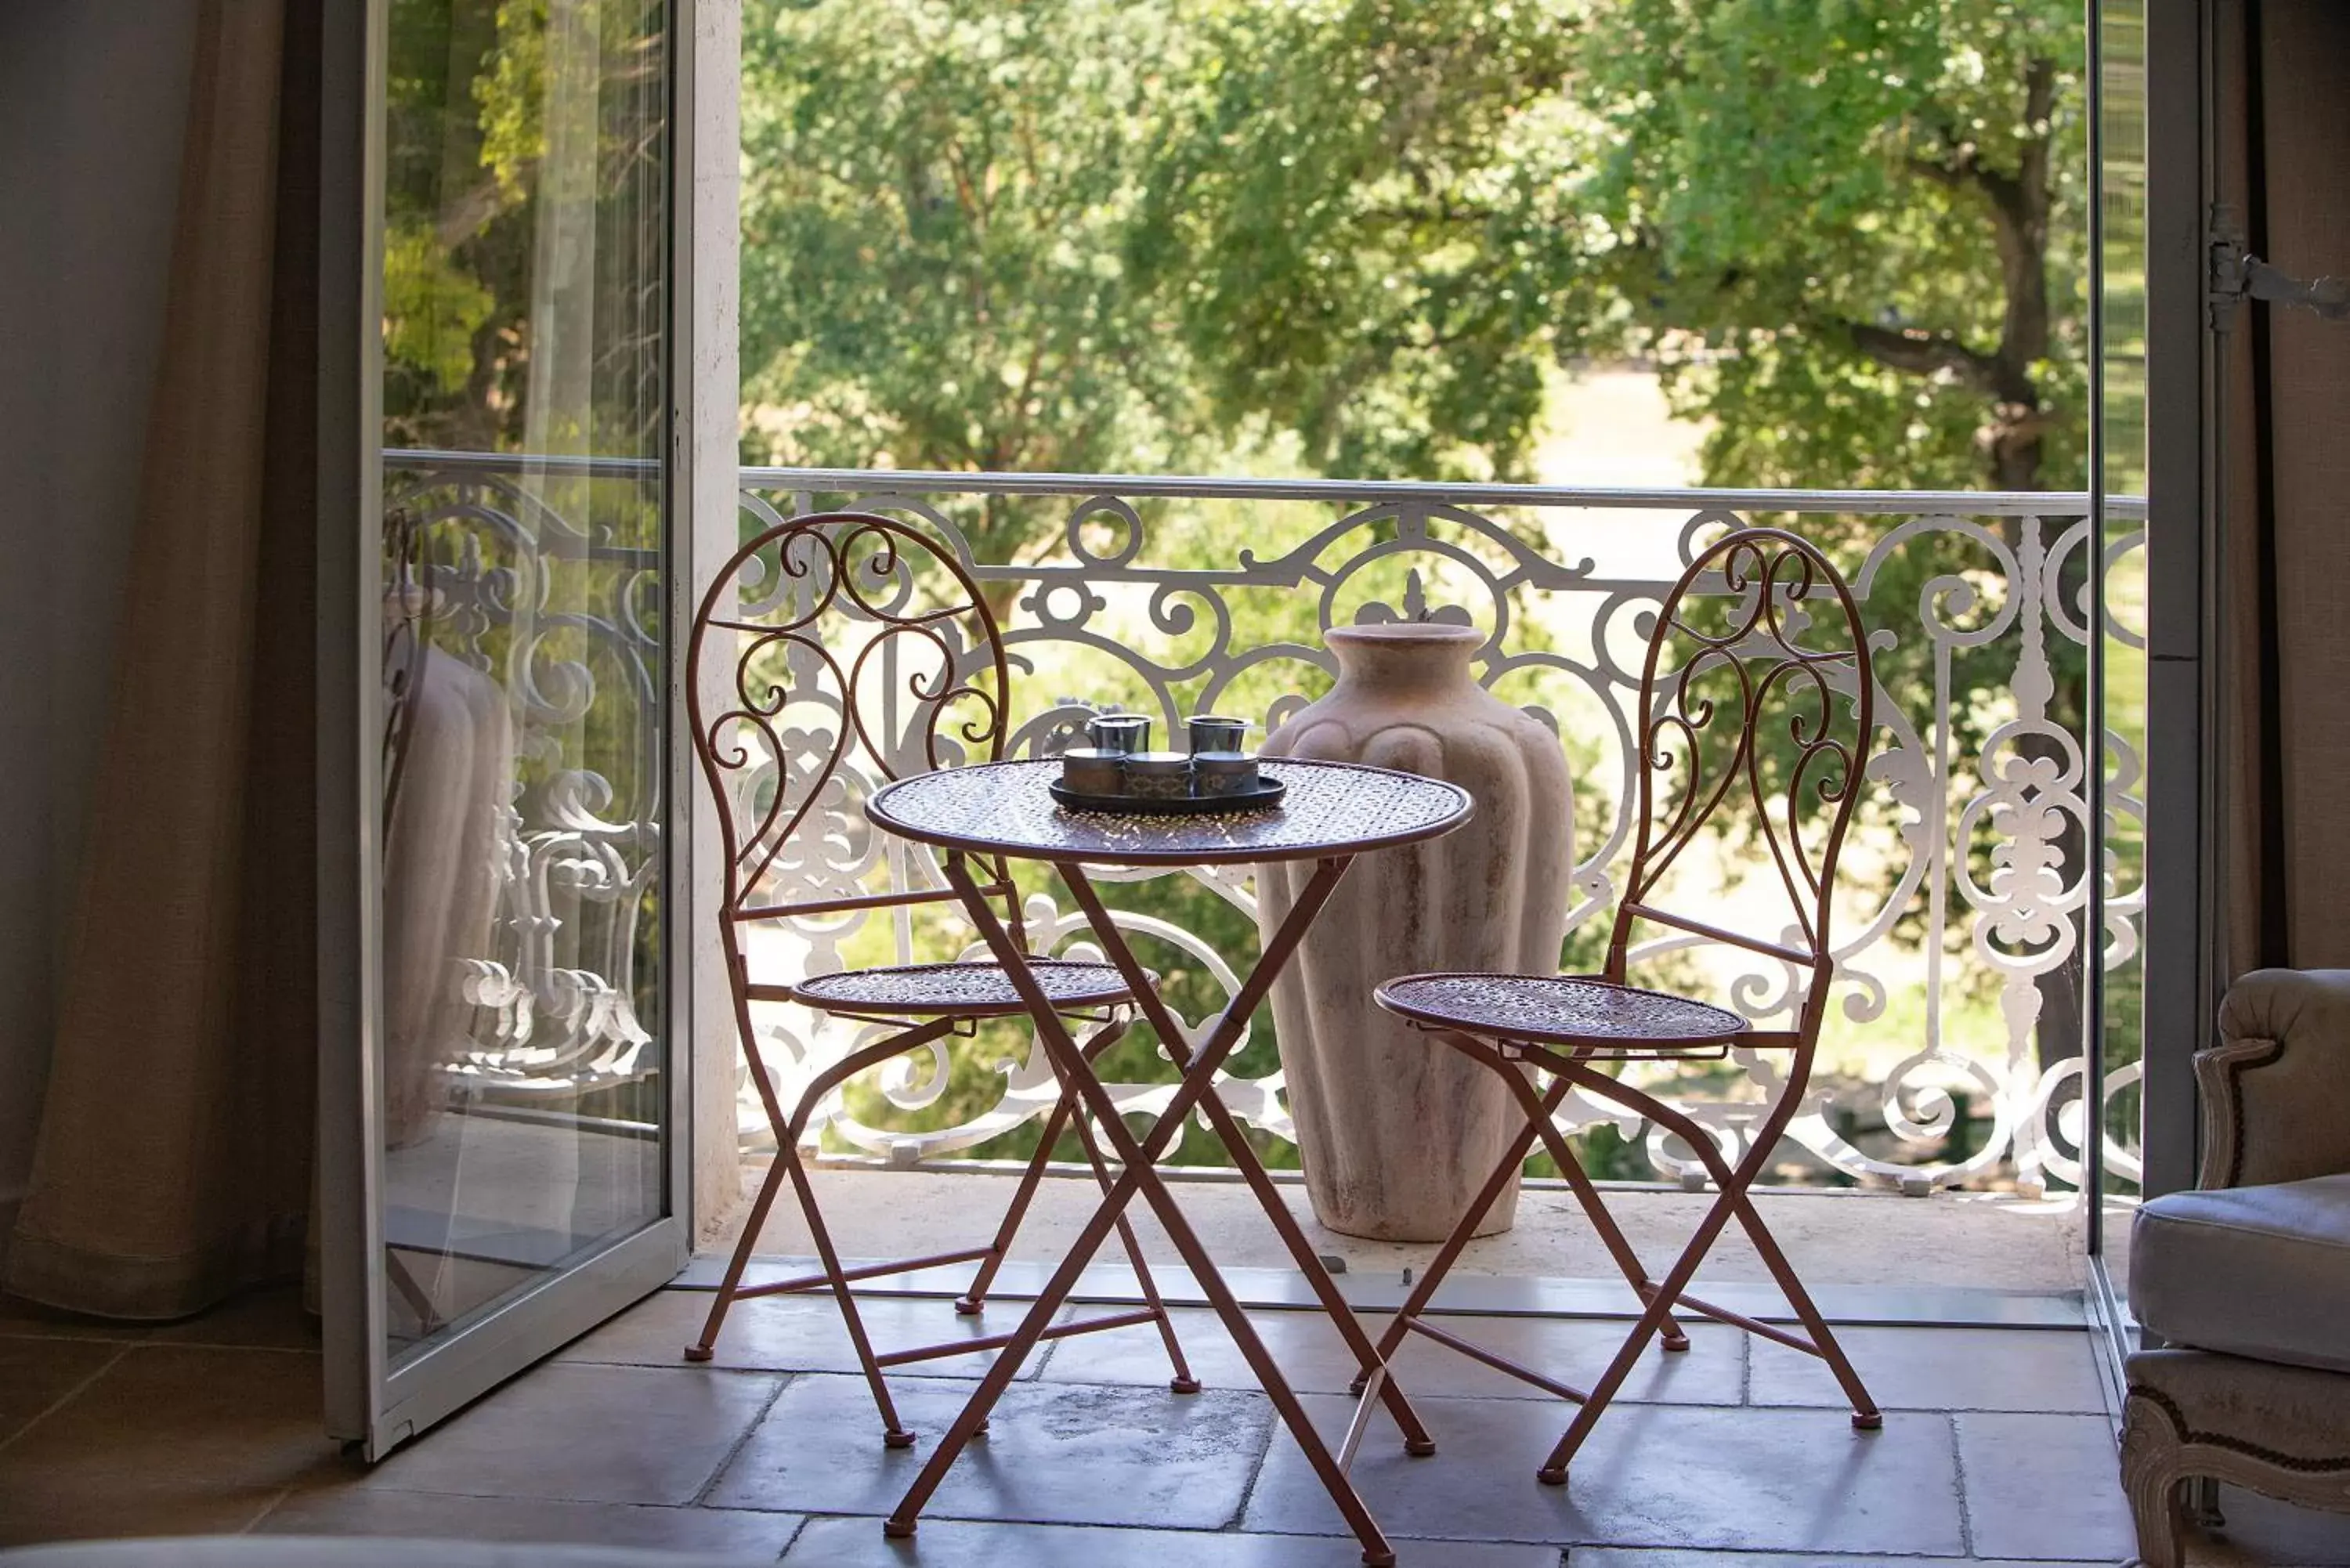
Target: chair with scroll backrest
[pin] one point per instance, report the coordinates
(1757, 688)
(834, 653)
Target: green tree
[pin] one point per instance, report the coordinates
(1849, 234)
(1846, 230)
(936, 199)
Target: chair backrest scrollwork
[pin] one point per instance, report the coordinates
(832, 654)
(1758, 694)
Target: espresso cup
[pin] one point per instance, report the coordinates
(1209, 734)
(1121, 734)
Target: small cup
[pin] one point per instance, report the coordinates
(1123, 735)
(1159, 775)
(1223, 772)
(1092, 770)
(1210, 733)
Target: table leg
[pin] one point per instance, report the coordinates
(1226, 1035)
(1140, 1177)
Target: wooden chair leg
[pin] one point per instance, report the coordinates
(2153, 1481)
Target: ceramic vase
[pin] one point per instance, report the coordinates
(1395, 1131)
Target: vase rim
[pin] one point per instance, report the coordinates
(1405, 631)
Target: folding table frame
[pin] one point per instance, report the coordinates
(1333, 813)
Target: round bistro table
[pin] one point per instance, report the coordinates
(1331, 813)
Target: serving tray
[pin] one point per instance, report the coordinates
(1267, 792)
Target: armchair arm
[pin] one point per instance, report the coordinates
(2276, 1089)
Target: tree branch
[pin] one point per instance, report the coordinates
(1922, 353)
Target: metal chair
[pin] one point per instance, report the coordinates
(1748, 647)
(832, 654)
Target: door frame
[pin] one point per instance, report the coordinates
(2181, 956)
(367, 1401)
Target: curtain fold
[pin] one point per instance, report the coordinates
(173, 1163)
(2284, 637)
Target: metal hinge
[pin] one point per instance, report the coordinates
(2236, 275)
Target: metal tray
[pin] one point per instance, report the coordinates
(1268, 791)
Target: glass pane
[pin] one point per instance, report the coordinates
(524, 278)
(2122, 201)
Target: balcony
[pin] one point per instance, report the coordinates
(1952, 1063)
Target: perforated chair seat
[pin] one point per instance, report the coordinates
(975, 990)
(1560, 1010)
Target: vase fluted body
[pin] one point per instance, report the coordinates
(1395, 1131)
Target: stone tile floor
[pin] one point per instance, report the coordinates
(1996, 1449)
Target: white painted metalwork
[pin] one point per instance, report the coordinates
(1979, 884)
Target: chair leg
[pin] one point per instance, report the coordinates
(1541, 1112)
(782, 1126)
(1865, 1416)
(893, 1435)
(1736, 1200)
(706, 1346)
(1182, 1382)
(974, 1301)
(1432, 1277)
(1650, 1321)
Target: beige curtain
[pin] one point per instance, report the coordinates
(2285, 643)
(174, 1157)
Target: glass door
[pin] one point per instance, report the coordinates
(2114, 1055)
(518, 1180)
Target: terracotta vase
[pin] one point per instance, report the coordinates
(1397, 1132)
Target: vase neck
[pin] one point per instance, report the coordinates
(1405, 659)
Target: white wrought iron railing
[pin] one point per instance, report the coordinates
(1177, 595)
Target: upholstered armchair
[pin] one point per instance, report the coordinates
(2246, 1281)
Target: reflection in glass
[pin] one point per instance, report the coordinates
(2125, 533)
(524, 286)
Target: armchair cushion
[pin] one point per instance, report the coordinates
(2257, 1271)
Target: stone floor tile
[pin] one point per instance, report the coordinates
(1941, 1369)
(35, 1374)
(270, 1318)
(1316, 1360)
(22, 1319)
(1072, 1455)
(587, 1434)
(798, 1333)
(1675, 1557)
(2043, 1486)
(416, 1515)
(167, 1440)
(956, 1543)
(1652, 1475)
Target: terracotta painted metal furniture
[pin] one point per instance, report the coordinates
(1757, 692)
(833, 651)
(1332, 812)
(2243, 1280)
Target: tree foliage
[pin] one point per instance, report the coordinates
(1106, 234)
